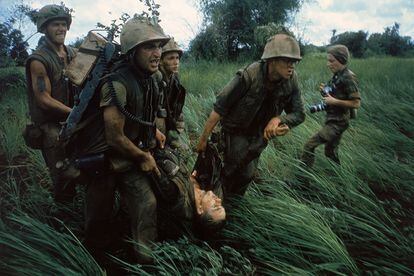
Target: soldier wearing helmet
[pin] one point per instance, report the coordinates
(50, 96)
(339, 103)
(175, 93)
(129, 102)
(250, 110)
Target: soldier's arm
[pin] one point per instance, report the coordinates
(114, 133)
(295, 112)
(42, 89)
(352, 103)
(351, 88)
(211, 122)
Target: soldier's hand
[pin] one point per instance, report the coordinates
(282, 129)
(329, 100)
(160, 137)
(202, 145)
(270, 129)
(321, 86)
(148, 164)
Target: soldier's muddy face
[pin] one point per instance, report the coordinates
(281, 67)
(211, 204)
(148, 55)
(171, 62)
(56, 31)
(333, 64)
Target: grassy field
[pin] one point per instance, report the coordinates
(357, 218)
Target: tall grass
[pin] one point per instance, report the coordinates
(356, 218)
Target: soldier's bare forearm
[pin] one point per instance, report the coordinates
(211, 122)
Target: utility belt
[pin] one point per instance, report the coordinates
(96, 163)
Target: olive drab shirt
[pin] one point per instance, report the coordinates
(248, 101)
(346, 88)
(60, 87)
(175, 98)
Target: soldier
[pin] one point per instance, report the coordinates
(188, 204)
(49, 94)
(250, 110)
(339, 102)
(129, 101)
(174, 93)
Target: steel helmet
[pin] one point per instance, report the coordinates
(141, 29)
(282, 45)
(51, 12)
(172, 46)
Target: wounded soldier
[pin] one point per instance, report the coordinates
(188, 204)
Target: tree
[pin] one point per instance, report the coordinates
(393, 43)
(236, 20)
(13, 49)
(390, 42)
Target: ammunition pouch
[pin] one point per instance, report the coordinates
(173, 173)
(33, 136)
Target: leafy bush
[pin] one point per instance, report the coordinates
(11, 77)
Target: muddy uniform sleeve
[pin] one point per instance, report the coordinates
(351, 87)
(231, 94)
(295, 112)
(106, 98)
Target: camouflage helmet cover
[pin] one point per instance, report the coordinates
(51, 12)
(282, 45)
(172, 46)
(139, 30)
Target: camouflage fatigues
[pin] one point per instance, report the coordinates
(173, 125)
(337, 119)
(246, 105)
(132, 89)
(48, 121)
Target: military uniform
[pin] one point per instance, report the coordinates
(176, 204)
(48, 121)
(246, 104)
(174, 96)
(174, 103)
(337, 118)
(132, 91)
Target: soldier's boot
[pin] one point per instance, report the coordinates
(332, 153)
(308, 157)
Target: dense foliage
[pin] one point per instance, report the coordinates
(390, 42)
(11, 77)
(13, 48)
(232, 24)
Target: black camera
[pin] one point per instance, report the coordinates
(321, 106)
(327, 89)
(318, 107)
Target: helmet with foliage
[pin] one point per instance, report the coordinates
(172, 46)
(52, 12)
(282, 45)
(141, 29)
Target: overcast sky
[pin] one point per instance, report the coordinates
(181, 19)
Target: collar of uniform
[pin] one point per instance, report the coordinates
(340, 72)
(51, 47)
